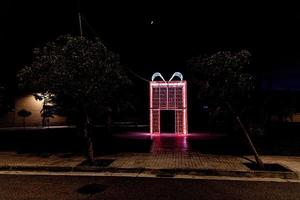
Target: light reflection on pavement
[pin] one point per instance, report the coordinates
(170, 142)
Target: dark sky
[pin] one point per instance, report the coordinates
(179, 31)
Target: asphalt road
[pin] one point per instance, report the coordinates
(122, 188)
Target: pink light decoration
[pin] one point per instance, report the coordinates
(168, 95)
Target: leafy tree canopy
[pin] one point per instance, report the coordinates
(24, 113)
(222, 76)
(221, 81)
(224, 84)
(85, 77)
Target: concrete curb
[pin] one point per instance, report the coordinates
(36, 168)
(158, 172)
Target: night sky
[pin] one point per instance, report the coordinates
(153, 36)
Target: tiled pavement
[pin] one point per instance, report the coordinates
(166, 153)
(178, 160)
(26, 159)
(148, 161)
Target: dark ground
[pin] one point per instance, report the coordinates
(66, 187)
(49, 141)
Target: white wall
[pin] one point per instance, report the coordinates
(29, 103)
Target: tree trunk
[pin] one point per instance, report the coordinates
(108, 122)
(257, 158)
(108, 125)
(250, 143)
(90, 149)
(24, 123)
(90, 146)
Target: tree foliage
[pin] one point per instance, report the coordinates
(221, 79)
(85, 77)
(225, 86)
(24, 114)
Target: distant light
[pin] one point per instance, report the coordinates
(152, 22)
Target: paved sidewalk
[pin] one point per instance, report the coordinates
(178, 162)
(13, 159)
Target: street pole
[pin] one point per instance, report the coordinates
(80, 25)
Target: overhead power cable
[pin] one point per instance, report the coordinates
(95, 33)
(89, 26)
(137, 75)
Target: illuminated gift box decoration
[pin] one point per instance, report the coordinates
(168, 95)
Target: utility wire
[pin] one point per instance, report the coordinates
(79, 18)
(137, 75)
(80, 25)
(89, 26)
(95, 33)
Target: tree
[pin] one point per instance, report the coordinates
(47, 112)
(85, 78)
(24, 113)
(48, 109)
(224, 84)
